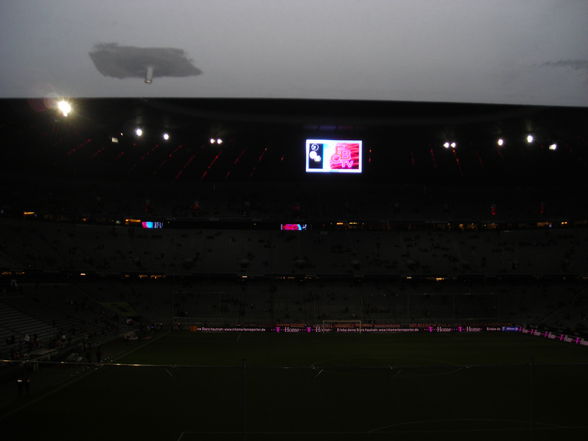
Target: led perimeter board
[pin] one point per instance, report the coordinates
(333, 156)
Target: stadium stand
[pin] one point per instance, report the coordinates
(53, 246)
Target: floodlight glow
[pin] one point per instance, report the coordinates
(530, 139)
(553, 147)
(212, 140)
(446, 145)
(139, 131)
(453, 145)
(64, 107)
(166, 136)
(219, 141)
(500, 142)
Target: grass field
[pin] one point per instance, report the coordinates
(313, 387)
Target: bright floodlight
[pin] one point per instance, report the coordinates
(212, 140)
(64, 107)
(139, 131)
(553, 147)
(446, 145)
(530, 139)
(166, 136)
(500, 142)
(453, 145)
(219, 141)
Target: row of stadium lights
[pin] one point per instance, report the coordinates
(500, 142)
(166, 136)
(66, 108)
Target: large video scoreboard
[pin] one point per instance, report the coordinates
(333, 156)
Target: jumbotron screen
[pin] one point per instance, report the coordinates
(333, 156)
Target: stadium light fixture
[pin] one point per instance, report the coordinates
(553, 147)
(149, 75)
(139, 131)
(219, 140)
(530, 139)
(500, 142)
(453, 145)
(446, 145)
(64, 107)
(165, 136)
(212, 140)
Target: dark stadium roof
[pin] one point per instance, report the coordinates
(264, 139)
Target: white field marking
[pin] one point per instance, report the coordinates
(521, 428)
(141, 346)
(70, 382)
(436, 374)
(274, 433)
(396, 370)
(436, 362)
(524, 423)
(498, 429)
(340, 362)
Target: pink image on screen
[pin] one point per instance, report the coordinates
(346, 156)
(291, 227)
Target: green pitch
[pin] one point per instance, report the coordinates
(312, 387)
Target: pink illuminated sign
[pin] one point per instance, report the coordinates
(293, 227)
(298, 328)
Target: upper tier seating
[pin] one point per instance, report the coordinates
(45, 246)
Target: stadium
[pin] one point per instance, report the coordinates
(283, 220)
